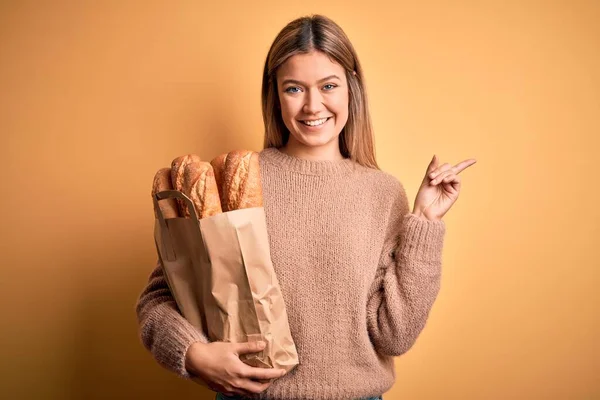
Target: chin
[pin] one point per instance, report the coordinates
(318, 141)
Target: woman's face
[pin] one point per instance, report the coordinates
(313, 89)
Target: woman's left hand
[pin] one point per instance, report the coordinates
(439, 189)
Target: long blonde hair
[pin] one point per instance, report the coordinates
(303, 35)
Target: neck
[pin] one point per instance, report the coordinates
(320, 153)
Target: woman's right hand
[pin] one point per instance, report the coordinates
(218, 364)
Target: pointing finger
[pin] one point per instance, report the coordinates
(461, 166)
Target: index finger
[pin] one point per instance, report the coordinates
(464, 164)
(262, 373)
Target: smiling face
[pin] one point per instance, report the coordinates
(313, 95)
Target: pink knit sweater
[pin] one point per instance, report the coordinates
(358, 272)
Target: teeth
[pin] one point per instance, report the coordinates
(315, 123)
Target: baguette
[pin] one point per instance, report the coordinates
(218, 164)
(200, 186)
(239, 174)
(162, 182)
(178, 167)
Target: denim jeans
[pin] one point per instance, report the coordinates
(221, 396)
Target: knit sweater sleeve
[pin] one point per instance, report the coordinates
(162, 329)
(407, 280)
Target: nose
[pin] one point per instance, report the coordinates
(313, 102)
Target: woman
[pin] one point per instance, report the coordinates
(359, 273)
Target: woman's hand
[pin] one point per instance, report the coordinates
(218, 364)
(439, 189)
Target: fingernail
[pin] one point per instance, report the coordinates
(261, 344)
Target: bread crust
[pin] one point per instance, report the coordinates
(241, 185)
(200, 186)
(252, 195)
(162, 182)
(178, 168)
(218, 164)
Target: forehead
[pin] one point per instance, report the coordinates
(309, 67)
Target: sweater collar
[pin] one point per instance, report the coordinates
(287, 162)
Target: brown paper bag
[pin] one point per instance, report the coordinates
(220, 272)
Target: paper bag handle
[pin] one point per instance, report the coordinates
(166, 238)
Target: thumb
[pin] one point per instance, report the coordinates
(249, 347)
(433, 164)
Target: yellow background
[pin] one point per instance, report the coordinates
(98, 95)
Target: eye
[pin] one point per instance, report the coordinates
(330, 84)
(291, 87)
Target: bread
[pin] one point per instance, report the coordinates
(162, 182)
(178, 166)
(239, 176)
(218, 164)
(200, 186)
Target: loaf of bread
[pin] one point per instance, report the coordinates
(162, 182)
(178, 167)
(218, 163)
(238, 179)
(200, 186)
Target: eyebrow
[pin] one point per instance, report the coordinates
(302, 83)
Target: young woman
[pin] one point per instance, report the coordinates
(358, 271)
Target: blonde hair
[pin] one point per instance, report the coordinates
(319, 33)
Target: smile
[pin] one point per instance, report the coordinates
(316, 122)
